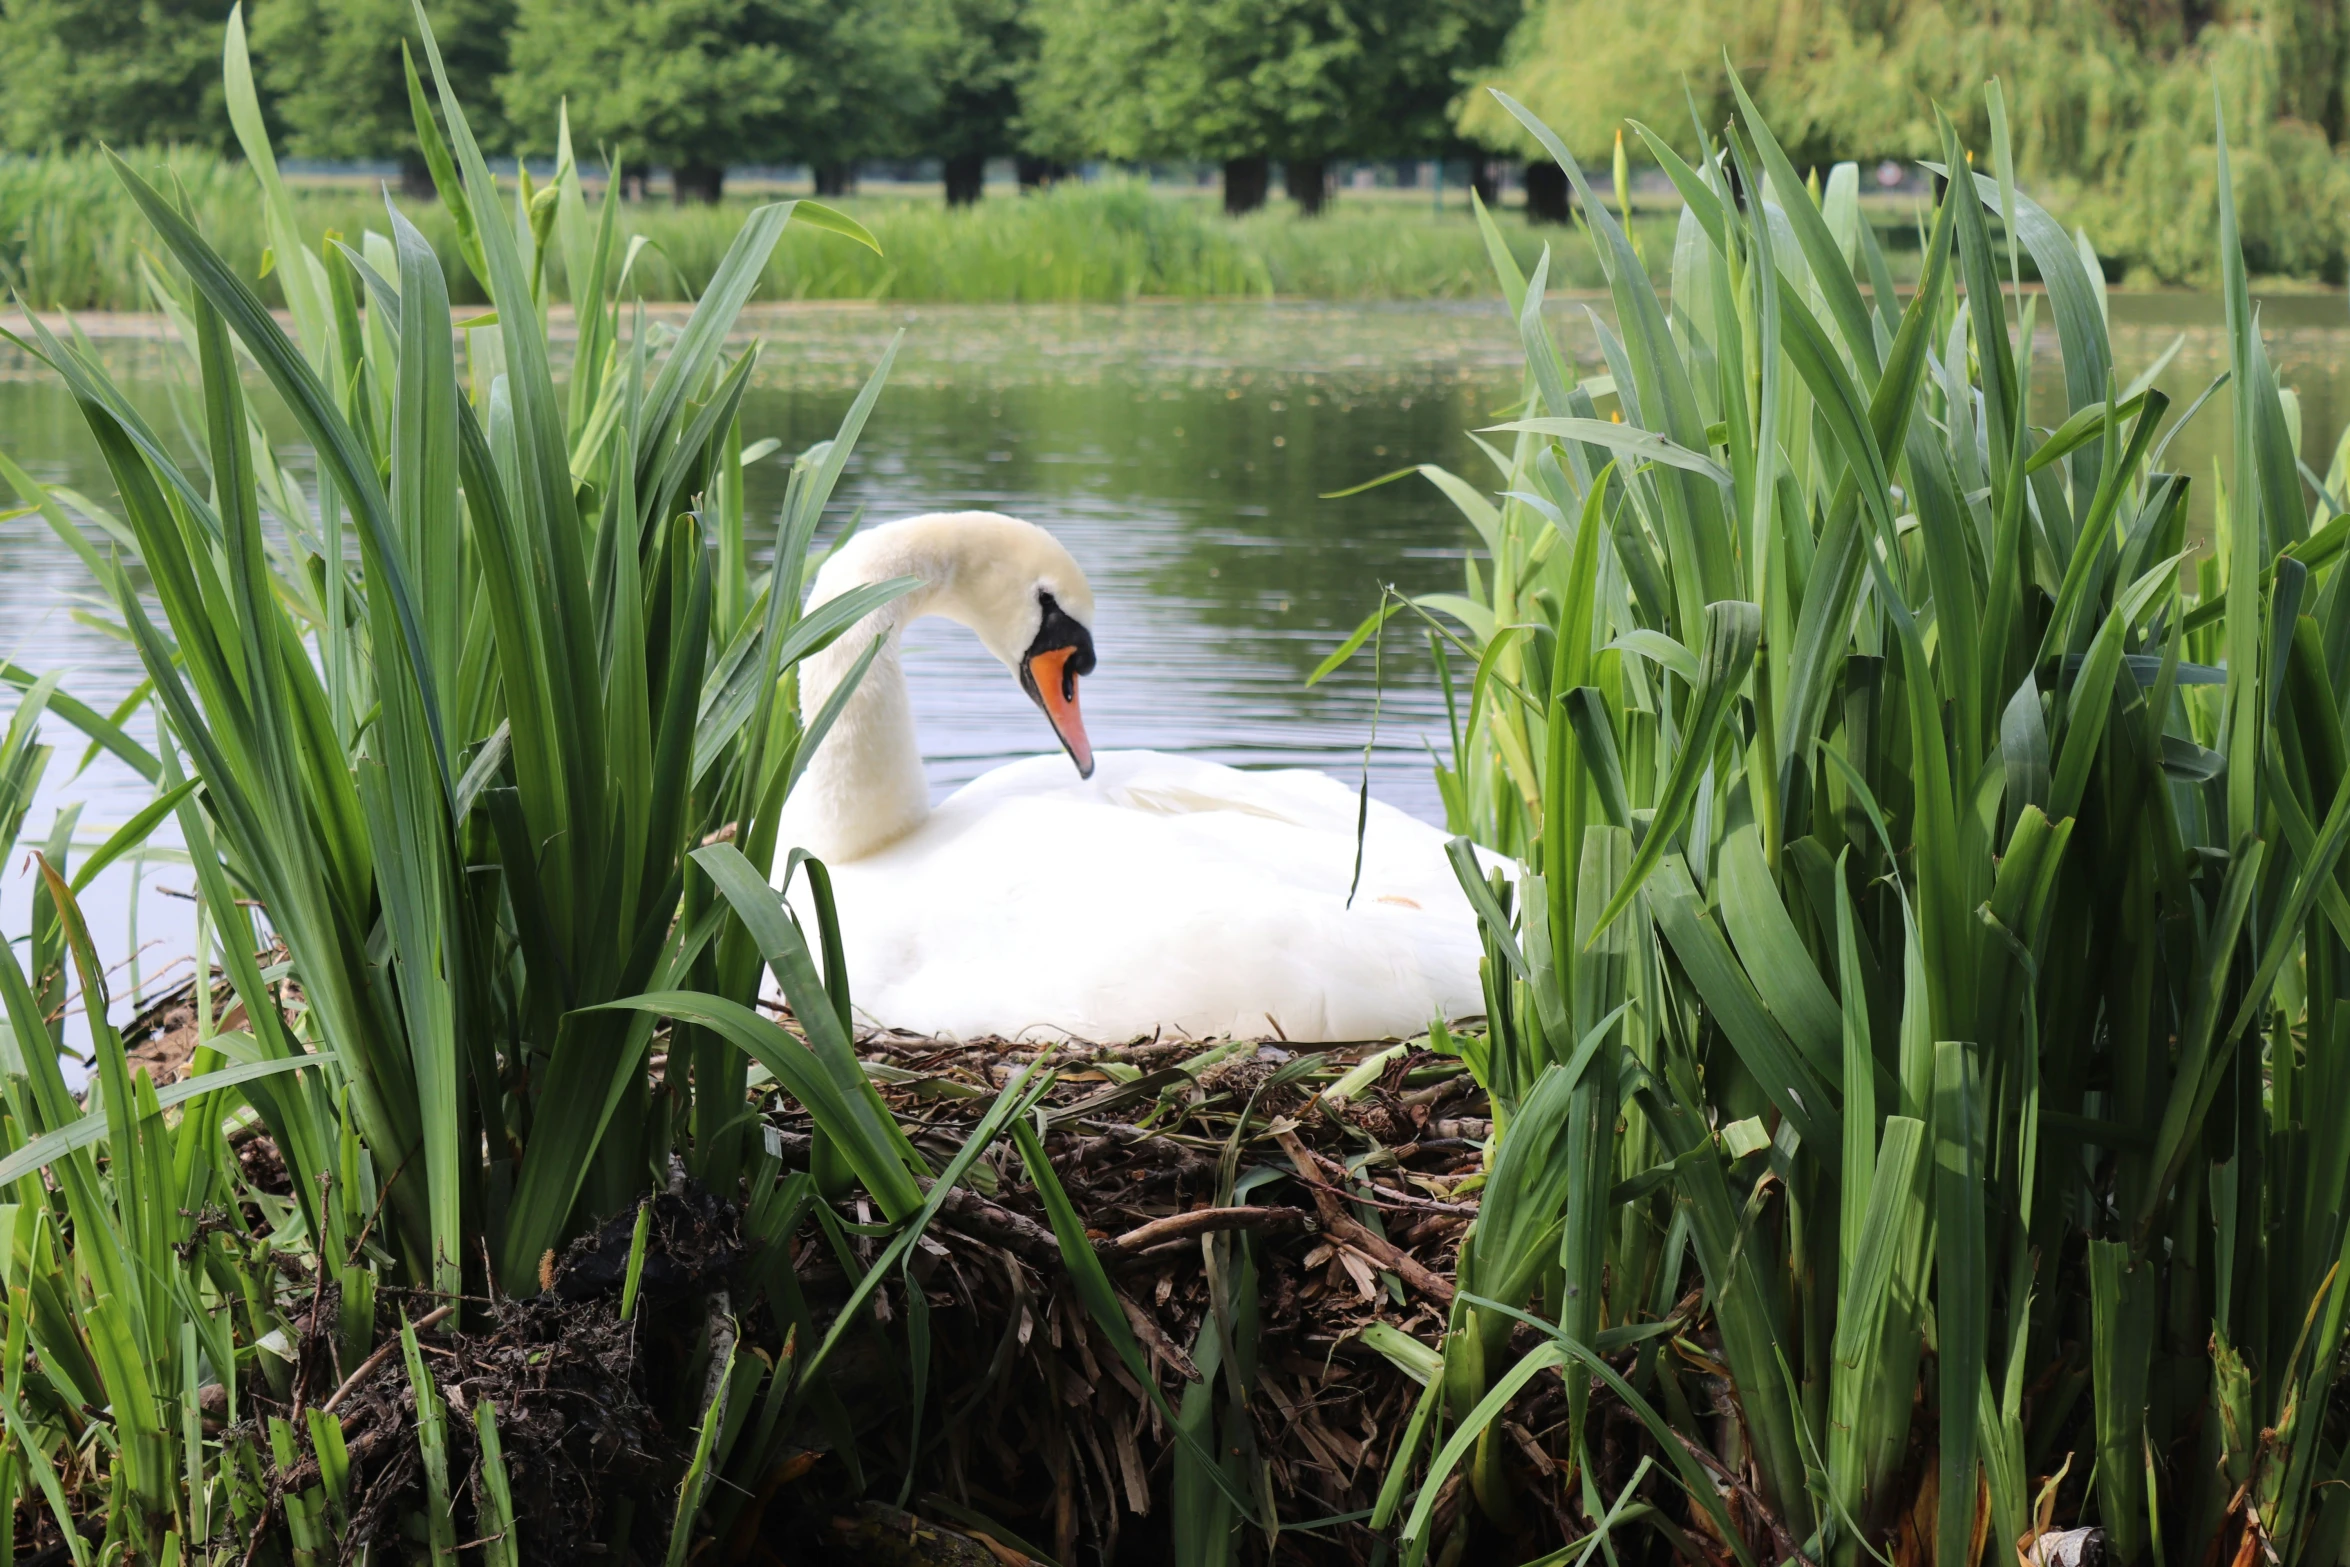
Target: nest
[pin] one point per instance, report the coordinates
(1045, 1433)
(1035, 1440)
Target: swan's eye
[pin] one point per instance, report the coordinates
(1057, 628)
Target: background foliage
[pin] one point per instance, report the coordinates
(2110, 102)
(332, 68)
(700, 84)
(2105, 96)
(71, 238)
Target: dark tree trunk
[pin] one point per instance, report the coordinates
(416, 179)
(1546, 193)
(835, 179)
(1245, 180)
(1036, 172)
(700, 182)
(1308, 180)
(966, 176)
(1485, 180)
(632, 184)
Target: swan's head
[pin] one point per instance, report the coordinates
(1060, 650)
(1033, 609)
(1009, 581)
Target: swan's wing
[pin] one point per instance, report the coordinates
(1168, 894)
(1200, 805)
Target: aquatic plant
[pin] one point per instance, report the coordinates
(1919, 1026)
(456, 730)
(71, 238)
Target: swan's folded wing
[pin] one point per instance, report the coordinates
(1067, 911)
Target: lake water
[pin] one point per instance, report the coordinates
(1178, 450)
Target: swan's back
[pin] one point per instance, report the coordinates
(1163, 894)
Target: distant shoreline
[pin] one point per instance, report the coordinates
(2179, 307)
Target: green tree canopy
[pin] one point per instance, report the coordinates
(2109, 101)
(1235, 80)
(334, 66)
(979, 58)
(123, 72)
(1215, 79)
(700, 84)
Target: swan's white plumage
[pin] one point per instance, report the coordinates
(1162, 894)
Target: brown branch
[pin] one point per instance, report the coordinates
(1015, 1231)
(1781, 1540)
(382, 1353)
(1200, 1221)
(1400, 1202)
(1343, 1226)
(1154, 1339)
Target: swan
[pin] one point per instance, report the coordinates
(1096, 897)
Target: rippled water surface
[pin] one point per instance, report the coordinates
(1180, 453)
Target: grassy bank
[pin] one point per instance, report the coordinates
(70, 238)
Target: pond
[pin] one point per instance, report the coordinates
(1180, 451)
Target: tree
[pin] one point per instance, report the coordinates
(1244, 81)
(699, 84)
(122, 72)
(335, 68)
(980, 56)
(2109, 101)
(1229, 80)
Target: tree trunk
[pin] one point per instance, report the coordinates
(1036, 172)
(1485, 180)
(835, 179)
(697, 182)
(1308, 180)
(1546, 193)
(1245, 180)
(416, 179)
(966, 177)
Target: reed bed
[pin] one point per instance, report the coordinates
(1905, 1123)
(71, 238)
(1918, 1047)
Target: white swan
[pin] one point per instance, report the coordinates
(1134, 892)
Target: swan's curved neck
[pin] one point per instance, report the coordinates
(864, 788)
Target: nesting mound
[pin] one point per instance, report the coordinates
(1046, 1446)
(567, 1382)
(1034, 1443)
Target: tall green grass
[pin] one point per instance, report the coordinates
(492, 733)
(1920, 1035)
(457, 730)
(71, 237)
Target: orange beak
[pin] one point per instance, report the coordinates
(1054, 685)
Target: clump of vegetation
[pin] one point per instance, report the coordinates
(71, 237)
(1919, 1023)
(455, 730)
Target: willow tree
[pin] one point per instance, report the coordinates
(2109, 102)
